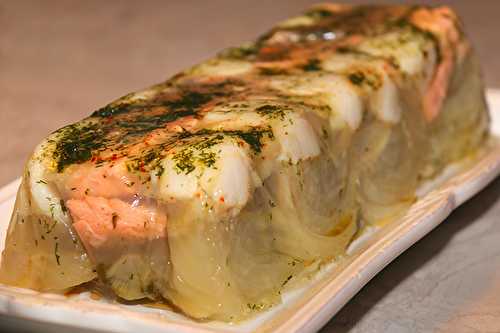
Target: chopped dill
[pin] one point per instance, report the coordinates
(312, 65)
(271, 111)
(64, 209)
(56, 253)
(287, 279)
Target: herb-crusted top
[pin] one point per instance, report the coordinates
(250, 96)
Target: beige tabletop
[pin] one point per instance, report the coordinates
(60, 60)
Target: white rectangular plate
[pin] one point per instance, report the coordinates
(303, 310)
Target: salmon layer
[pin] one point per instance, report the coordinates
(232, 181)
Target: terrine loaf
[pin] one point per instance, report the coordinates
(238, 177)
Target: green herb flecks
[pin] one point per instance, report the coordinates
(64, 209)
(56, 253)
(255, 306)
(144, 124)
(357, 78)
(81, 142)
(239, 53)
(111, 110)
(197, 153)
(159, 170)
(208, 158)
(254, 138)
(366, 77)
(190, 101)
(269, 71)
(184, 161)
(185, 106)
(312, 65)
(200, 152)
(287, 280)
(76, 143)
(271, 111)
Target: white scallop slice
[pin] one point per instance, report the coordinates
(234, 117)
(339, 62)
(174, 183)
(232, 181)
(265, 163)
(297, 139)
(412, 52)
(341, 96)
(228, 183)
(385, 103)
(346, 102)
